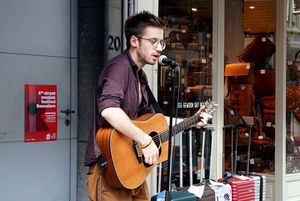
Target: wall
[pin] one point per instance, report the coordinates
(37, 47)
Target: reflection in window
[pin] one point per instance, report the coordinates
(189, 43)
(293, 88)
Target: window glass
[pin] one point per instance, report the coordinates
(189, 43)
(249, 84)
(293, 88)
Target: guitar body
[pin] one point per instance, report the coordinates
(123, 167)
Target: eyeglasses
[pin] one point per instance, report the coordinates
(155, 42)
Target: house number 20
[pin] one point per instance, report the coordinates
(114, 42)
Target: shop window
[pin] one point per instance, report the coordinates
(293, 88)
(250, 84)
(189, 43)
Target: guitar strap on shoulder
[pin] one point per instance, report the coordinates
(153, 100)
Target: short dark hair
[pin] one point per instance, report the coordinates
(136, 24)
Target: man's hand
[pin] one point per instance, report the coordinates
(205, 118)
(151, 154)
(121, 122)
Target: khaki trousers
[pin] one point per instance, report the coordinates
(112, 194)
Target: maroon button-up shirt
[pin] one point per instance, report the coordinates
(118, 86)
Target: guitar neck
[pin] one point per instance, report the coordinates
(209, 109)
(180, 127)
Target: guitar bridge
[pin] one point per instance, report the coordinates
(137, 152)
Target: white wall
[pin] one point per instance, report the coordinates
(36, 47)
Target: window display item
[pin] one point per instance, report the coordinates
(296, 114)
(199, 78)
(292, 97)
(242, 162)
(268, 117)
(199, 64)
(269, 131)
(268, 151)
(259, 51)
(240, 73)
(199, 72)
(290, 145)
(257, 165)
(264, 83)
(183, 34)
(200, 93)
(267, 102)
(242, 187)
(267, 105)
(231, 116)
(295, 69)
(261, 19)
(256, 143)
(242, 98)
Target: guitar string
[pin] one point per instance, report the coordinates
(180, 126)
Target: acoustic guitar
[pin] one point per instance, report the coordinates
(125, 165)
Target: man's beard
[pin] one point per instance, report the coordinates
(143, 58)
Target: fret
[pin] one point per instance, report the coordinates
(164, 135)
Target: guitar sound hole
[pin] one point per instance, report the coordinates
(156, 140)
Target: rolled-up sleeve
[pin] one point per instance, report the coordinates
(112, 95)
(112, 86)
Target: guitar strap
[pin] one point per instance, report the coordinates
(98, 153)
(153, 100)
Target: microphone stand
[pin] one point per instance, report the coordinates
(168, 191)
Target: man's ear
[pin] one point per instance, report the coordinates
(134, 41)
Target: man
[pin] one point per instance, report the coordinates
(122, 96)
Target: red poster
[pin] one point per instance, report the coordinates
(40, 113)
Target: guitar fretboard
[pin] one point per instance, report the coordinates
(164, 135)
(179, 127)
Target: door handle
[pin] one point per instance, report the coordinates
(68, 111)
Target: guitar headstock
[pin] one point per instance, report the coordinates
(210, 107)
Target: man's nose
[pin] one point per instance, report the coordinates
(159, 47)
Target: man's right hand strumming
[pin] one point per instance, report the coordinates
(150, 152)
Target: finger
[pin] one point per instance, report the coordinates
(202, 108)
(146, 160)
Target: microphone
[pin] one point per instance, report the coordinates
(163, 60)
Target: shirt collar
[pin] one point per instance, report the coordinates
(134, 66)
(132, 63)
